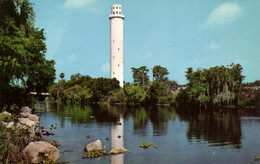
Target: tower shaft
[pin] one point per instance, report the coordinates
(117, 44)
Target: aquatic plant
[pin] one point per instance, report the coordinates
(48, 162)
(145, 145)
(95, 154)
(53, 127)
(88, 136)
(55, 143)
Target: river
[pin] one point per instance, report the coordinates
(182, 137)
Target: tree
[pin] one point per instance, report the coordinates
(42, 77)
(159, 73)
(76, 76)
(171, 86)
(62, 75)
(23, 66)
(215, 87)
(134, 94)
(155, 92)
(140, 76)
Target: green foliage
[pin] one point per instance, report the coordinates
(48, 162)
(82, 89)
(130, 94)
(256, 100)
(140, 76)
(155, 92)
(102, 86)
(159, 73)
(12, 142)
(145, 145)
(3, 143)
(250, 98)
(118, 96)
(134, 94)
(214, 87)
(95, 154)
(160, 91)
(62, 75)
(23, 67)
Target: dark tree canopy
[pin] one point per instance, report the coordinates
(214, 87)
(23, 66)
(140, 76)
(160, 73)
(62, 75)
(83, 88)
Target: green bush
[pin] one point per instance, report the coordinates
(134, 94)
(3, 144)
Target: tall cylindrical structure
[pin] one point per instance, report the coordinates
(116, 44)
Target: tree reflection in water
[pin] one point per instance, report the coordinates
(215, 127)
(158, 116)
(219, 128)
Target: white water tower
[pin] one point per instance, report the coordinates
(116, 44)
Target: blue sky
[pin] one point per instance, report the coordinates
(175, 34)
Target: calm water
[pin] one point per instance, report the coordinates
(182, 138)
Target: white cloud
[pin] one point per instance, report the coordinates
(77, 3)
(213, 46)
(105, 67)
(224, 14)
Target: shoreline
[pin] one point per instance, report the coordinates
(23, 139)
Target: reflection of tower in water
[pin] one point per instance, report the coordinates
(117, 140)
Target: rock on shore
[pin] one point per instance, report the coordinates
(37, 151)
(97, 145)
(27, 126)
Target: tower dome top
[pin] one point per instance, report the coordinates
(116, 11)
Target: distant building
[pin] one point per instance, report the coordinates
(116, 44)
